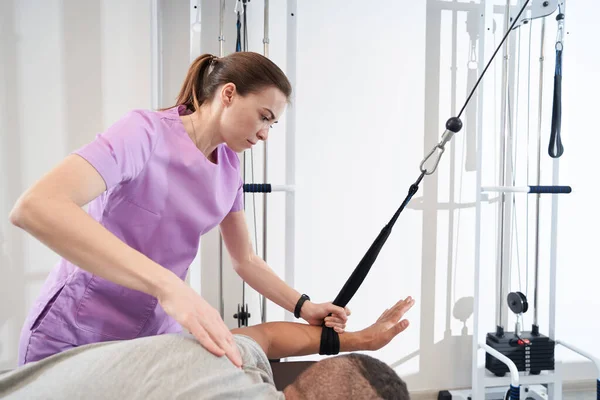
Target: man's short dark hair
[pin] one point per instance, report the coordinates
(384, 380)
(348, 376)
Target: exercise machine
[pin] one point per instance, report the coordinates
(519, 362)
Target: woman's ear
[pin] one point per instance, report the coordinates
(227, 93)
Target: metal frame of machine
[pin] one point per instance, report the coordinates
(522, 380)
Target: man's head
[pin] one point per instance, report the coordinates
(349, 376)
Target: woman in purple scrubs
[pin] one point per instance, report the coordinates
(155, 182)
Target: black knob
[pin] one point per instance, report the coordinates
(454, 124)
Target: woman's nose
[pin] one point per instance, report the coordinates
(263, 134)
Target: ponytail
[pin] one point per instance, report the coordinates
(249, 72)
(192, 93)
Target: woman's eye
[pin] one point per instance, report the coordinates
(266, 119)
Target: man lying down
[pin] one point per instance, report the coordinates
(175, 366)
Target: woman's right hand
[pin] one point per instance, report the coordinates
(194, 313)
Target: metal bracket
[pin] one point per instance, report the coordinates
(538, 9)
(243, 315)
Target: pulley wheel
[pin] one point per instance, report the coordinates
(517, 302)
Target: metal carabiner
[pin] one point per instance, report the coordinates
(472, 64)
(559, 36)
(453, 125)
(437, 161)
(238, 3)
(560, 32)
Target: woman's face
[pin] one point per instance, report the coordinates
(245, 120)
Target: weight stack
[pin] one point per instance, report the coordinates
(530, 353)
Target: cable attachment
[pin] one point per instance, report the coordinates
(560, 33)
(238, 7)
(555, 147)
(453, 125)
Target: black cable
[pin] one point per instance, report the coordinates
(245, 46)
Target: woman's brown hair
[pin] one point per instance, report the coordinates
(250, 73)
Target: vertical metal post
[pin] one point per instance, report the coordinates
(195, 36)
(195, 29)
(555, 389)
(503, 151)
(221, 24)
(221, 294)
(290, 150)
(156, 54)
(538, 179)
(263, 316)
(266, 35)
(242, 320)
(554, 227)
(452, 186)
(485, 41)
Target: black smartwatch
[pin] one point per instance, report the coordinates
(299, 304)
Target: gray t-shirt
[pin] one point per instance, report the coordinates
(158, 367)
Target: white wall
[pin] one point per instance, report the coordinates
(68, 70)
(373, 93)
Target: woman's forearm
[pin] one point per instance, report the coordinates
(68, 230)
(256, 273)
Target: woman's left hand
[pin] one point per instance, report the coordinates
(314, 314)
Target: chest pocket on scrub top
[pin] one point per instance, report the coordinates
(110, 310)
